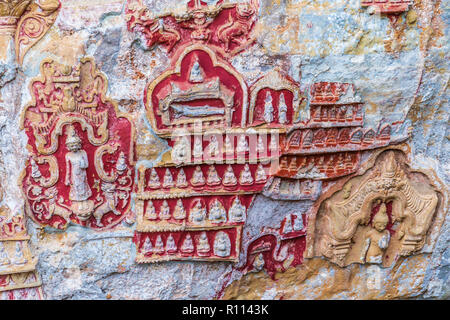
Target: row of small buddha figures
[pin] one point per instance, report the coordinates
(329, 165)
(344, 113)
(198, 213)
(213, 149)
(221, 245)
(213, 179)
(18, 258)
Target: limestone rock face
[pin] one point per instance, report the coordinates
(197, 149)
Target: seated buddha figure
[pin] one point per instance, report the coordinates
(203, 247)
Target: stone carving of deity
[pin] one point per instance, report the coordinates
(159, 245)
(164, 212)
(168, 179)
(268, 108)
(121, 165)
(196, 75)
(171, 246)
(180, 151)
(147, 247)
(229, 179)
(197, 178)
(246, 176)
(19, 259)
(154, 183)
(237, 211)
(217, 213)
(213, 146)
(4, 259)
(260, 148)
(242, 146)
(273, 145)
(258, 262)
(181, 179)
(179, 212)
(188, 245)
(213, 177)
(76, 175)
(282, 110)
(203, 247)
(197, 213)
(150, 212)
(222, 244)
(198, 147)
(229, 149)
(260, 174)
(377, 239)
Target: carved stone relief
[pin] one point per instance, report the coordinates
(19, 279)
(377, 217)
(82, 149)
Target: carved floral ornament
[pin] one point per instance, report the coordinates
(377, 217)
(82, 149)
(28, 21)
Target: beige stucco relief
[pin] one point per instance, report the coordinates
(377, 217)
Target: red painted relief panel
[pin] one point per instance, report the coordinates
(81, 164)
(230, 141)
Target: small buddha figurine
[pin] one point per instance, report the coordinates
(246, 176)
(260, 147)
(121, 165)
(260, 174)
(181, 179)
(258, 262)
(377, 239)
(19, 259)
(196, 75)
(188, 245)
(179, 212)
(282, 110)
(273, 145)
(222, 244)
(197, 213)
(4, 259)
(171, 247)
(180, 151)
(242, 146)
(168, 179)
(197, 178)
(229, 179)
(229, 149)
(217, 213)
(203, 247)
(213, 147)
(298, 223)
(35, 172)
(213, 177)
(164, 212)
(237, 211)
(159, 245)
(154, 183)
(268, 108)
(198, 148)
(150, 212)
(147, 248)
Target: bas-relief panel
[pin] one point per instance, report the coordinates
(229, 141)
